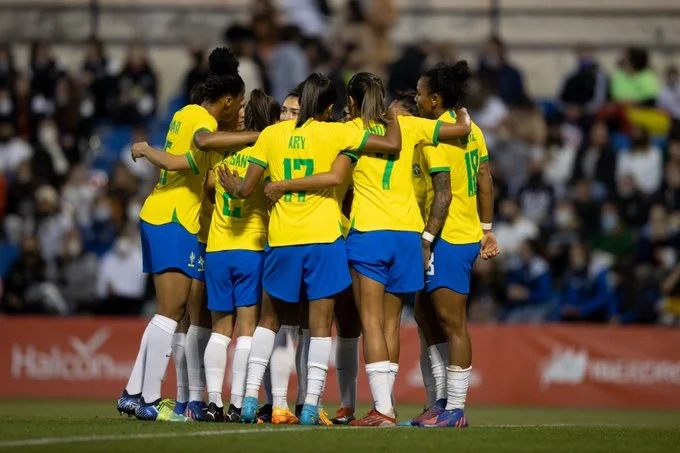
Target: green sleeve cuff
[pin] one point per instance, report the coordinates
(192, 163)
(257, 162)
(203, 129)
(439, 170)
(363, 142)
(484, 158)
(435, 135)
(352, 156)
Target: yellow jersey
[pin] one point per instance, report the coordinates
(340, 193)
(383, 188)
(293, 152)
(462, 156)
(177, 196)
(205, 217)
(422, 183)
(238, 224)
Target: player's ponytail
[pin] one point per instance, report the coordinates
(261, 111)
(450, 82)
(318, 95)
(368, 92)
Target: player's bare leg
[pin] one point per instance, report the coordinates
(393, 306)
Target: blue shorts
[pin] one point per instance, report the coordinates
(199, 270)
(451, 266)
(233, 279)
(168, 246)
(319, 270)
(393, 258)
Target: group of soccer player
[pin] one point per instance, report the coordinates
(288, 221)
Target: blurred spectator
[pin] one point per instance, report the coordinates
(587, 206)
(659, 242)
(407, 69)
(586, 293)
(8, 80)
(108, 220)
(529, 290)
(567, 232)
(513, 227)
(136, 88)
(198, 71)
(318, 56)
(310, 16)
(505, 79)
(251, 67)
(487, 287)
(584, 90)
(537, 198)
(486, 109)
(27, 290)
(78, 194)
(633, 204)
(13, 150)
(596, 159)
(21, 204)
(71, 119)
(120, 281)
(558, 161)
(368, 23)
(44, 76)
(289, 65)
(97, 79)
(49, 161)
(669, 97)
(634, 82)
(52, 224)
(669, 196)
(78, 272)
(670, 306)
(644, 162)
(142, 169)
(614, 237)
(265, 28)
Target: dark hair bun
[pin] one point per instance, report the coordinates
(222, 62)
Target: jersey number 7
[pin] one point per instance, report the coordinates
(291, 165)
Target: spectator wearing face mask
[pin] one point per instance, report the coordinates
(49, 161)
(101, 235)
(136, 88)
(79, 194)
(513, 227)
(587, 293)
(558, 161)
(506, 80)
(529, 290)
(644, 162)
(632, 203)
(78, 272)
(669, 98)
(659, 241)
(567, 231)
(584, 90)
(13, 149)
(537, 197)
(614, 237)
(52, 225)
(488, 110)
(596, 159)
(44, 75)
(121, 282)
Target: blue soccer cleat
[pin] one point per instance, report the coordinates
(127, 404)
(249, 410)
(180, 408)
(429, 416)
(309, 415)
(454, 418)
(196, 410)
(159, 410)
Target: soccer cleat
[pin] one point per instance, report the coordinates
(323, 418)
(249, 409)
(375, 418)
(283, 416)
(264, 414)
(309, 415)
(159, 410)
(454, 418)
(298, 410)
(233, 415)
(127, 404)
(180, 408)
(343, 416)
(196, 410)
(429, 416)
(213, 413)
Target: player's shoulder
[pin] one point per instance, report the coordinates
(196, 114)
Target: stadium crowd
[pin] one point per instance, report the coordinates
(587, 184)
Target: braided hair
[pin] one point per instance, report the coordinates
(222, 80)
(449, 82)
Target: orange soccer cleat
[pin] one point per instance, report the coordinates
(375, 418)
(283, 416)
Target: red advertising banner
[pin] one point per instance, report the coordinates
(551, 365)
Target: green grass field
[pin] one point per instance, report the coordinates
(88, 426)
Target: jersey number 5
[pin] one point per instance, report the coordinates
(163, 179)
(291, 165)
(472, 167)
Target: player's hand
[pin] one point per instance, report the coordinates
(138, 150)
(230, 180)
(391, 116)
(490, 248)
(463, 117)
(273, 191)
(426, 247)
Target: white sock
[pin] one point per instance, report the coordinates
(379, 380)
(197, 340)
(347, 368)
(317, 368)
(134, 385)
(281, 364)
(267, 382)
(457, 381)
(301, 359)
(215, 360)
(394, 369)
(158, 351)
(260, 352)
(439, 358)
(239, 366)
(180, 360)
(426, 371)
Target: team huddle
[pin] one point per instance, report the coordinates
(270, 223)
